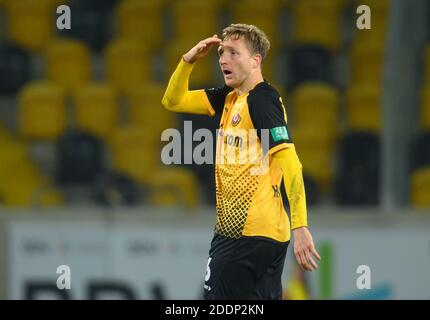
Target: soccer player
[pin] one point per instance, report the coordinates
(252, 230)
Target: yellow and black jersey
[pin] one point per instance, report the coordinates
(248, 197)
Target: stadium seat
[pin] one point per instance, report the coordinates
(358, 172)
(113, 188)
(310, 63)
(146, 111)
(126, 63)
(142, 20)
(90, 22)
(41, 112)
(96, 109)
(379, 15)
(4, 133)
(315, 109)
(363, 107)
(21, 183)
(12, 154)
(317, 22)
(15, 63)
(30, 191)
(317, 164)
(205, 15)
(204, 70)
(420, 150)
(366, 62)
(31, 24)
(79, 157)
(425, 107)
(263, 14)
(420, 188)
(68, 63)
(134, 153)
(174, 187)
(427, 65)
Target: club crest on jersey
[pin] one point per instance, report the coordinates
(236, 119)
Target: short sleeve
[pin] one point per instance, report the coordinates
(268, 114)
(216, 97)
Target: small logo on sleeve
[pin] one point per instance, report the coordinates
(236, 119)
(279, 133)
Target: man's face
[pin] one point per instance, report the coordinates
(235, 60)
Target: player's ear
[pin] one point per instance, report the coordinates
(257, 60)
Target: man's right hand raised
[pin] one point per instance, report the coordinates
(201, 49)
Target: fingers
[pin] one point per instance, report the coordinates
(305, 259)
(301, 259)
(212, 40)
(315, 253)
(311, 261)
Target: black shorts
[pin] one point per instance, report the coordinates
(245, 268)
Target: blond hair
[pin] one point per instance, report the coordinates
(255, 38)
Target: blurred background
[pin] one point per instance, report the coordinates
(82, 183)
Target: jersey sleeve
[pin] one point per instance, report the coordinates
(216, 97)
(269, 118)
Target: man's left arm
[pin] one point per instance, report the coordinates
(268, 112)
(289, 162)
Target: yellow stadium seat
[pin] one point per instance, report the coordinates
(173, 187)
(13, 155)
(308, 5)
(31, 24)
(141, 20)
(315, 105)
(363, 107)
(4, 133)
(420, 188)
(317, 163)
(134, 152)
(203, 72)
(317, 22)
(96, 109)
(127, 63)
(41, 111)
(30, 191)
(308, 135)
(425, 107)
(146, 111)
(21, 183)
(366, 61)
(263, 14)
(195, 19)
(68, 63)
(379, 23)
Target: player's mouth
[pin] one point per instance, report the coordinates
(227, 73)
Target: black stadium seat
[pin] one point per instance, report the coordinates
(421, 151)
(90, 22)
(115, 188)
(310, 63)
(357, 181)
(14, 68)
(79, 158)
